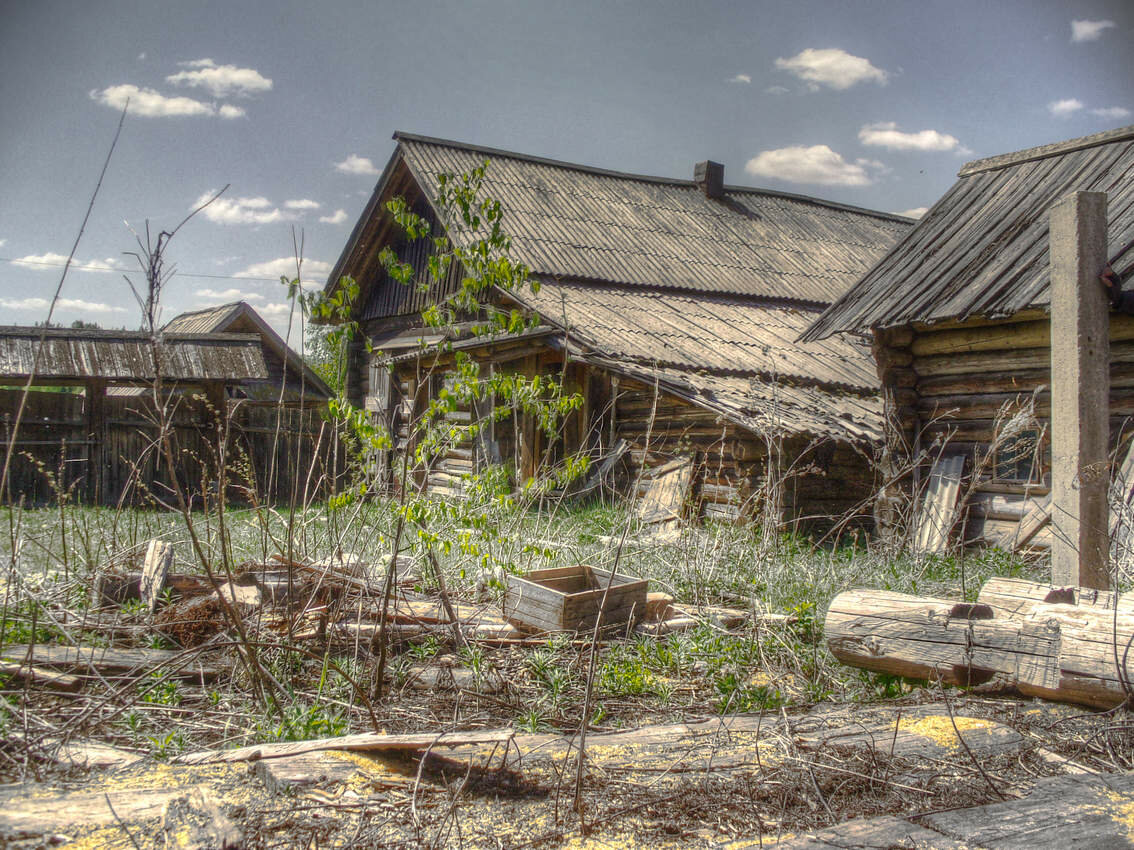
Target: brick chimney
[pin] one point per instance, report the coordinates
(709, 176)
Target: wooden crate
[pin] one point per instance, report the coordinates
(568, 599)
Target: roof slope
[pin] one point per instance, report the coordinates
(240, 316)
(128, 355)
(982, 250)
(584, 223)
(714, 333)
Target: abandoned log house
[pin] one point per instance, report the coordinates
(960, 308)
(692, 286)
(90, 421)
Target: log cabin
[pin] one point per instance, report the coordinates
(959, 310)
(672, 306)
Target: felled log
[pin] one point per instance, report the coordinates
(923, 638)
(1058, 651)
(37, 677)
(1017, 597)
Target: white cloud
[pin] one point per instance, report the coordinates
(777, 90)
(220, 80)
(229, 111)
(275, 309)
(229, 294)
(916, 212)
(338, 217)
(887, 135)
(142, 56)
(1109, 112)
(302, 204)
(61, 304)
(240, 210)
(285, 267)
(740, 78)
(831, 67)
(355, 164)
(1089, 30)
(1064, 108)
(816, 164)
(149, 103)
(3, 242)
(51, 260)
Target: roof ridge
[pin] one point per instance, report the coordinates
(400, 136)
(993, 163)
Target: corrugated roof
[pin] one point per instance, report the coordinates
(128, 355)
(571, 221)
(717, 333)
(767, 407)
(982, 250)
(226, 317)
(208, 320)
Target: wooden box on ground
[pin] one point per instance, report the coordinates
(568, 599)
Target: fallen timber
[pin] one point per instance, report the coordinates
(1063, 644)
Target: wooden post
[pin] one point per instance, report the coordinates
(529, 450)
(95, 436)
(1080, 391)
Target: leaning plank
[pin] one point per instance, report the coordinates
(939, 510)
(103, 659)
(667, 492)
(1036, 518)
(1065, 811)
(37, 677)
(159, 558)
(1121, 520)
(925, 638)
(363, 742)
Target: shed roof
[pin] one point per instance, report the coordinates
(572, 221)
(722, 334)
(242, 316)
(982, 250)
(128, 355)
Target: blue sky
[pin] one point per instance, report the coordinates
(292, 104)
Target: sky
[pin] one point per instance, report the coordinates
(291, 105)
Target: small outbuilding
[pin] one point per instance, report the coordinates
(959, 311)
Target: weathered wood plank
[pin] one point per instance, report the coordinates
(104, 659)
(1065, 812)
(939, 509)
(362, 742)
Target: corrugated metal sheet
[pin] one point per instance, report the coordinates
(718, 333)
(768, 407)
(128, 356)
(576, 222)
(982, 250)
(241, 317)
(209, 320)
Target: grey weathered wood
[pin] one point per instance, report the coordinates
(939, 508)
(105, 659)
(568, 599)
(29, 815)
(362, 742)
(884, 833)
(1080, 390)
(159, 558)
(37, 677)
(925, 638)
(667, 492)
(1037, 517)
(1064, 812)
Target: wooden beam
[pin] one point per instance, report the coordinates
(1080, 359)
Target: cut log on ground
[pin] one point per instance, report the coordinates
(1017, 597)
(159, 558)
(104, 659)
(923, 638)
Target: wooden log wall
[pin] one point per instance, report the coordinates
(121, 459)
(951, 381)
(820, 483)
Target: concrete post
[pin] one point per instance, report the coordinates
(1080, 392)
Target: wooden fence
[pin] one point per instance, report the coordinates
(269, 452)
